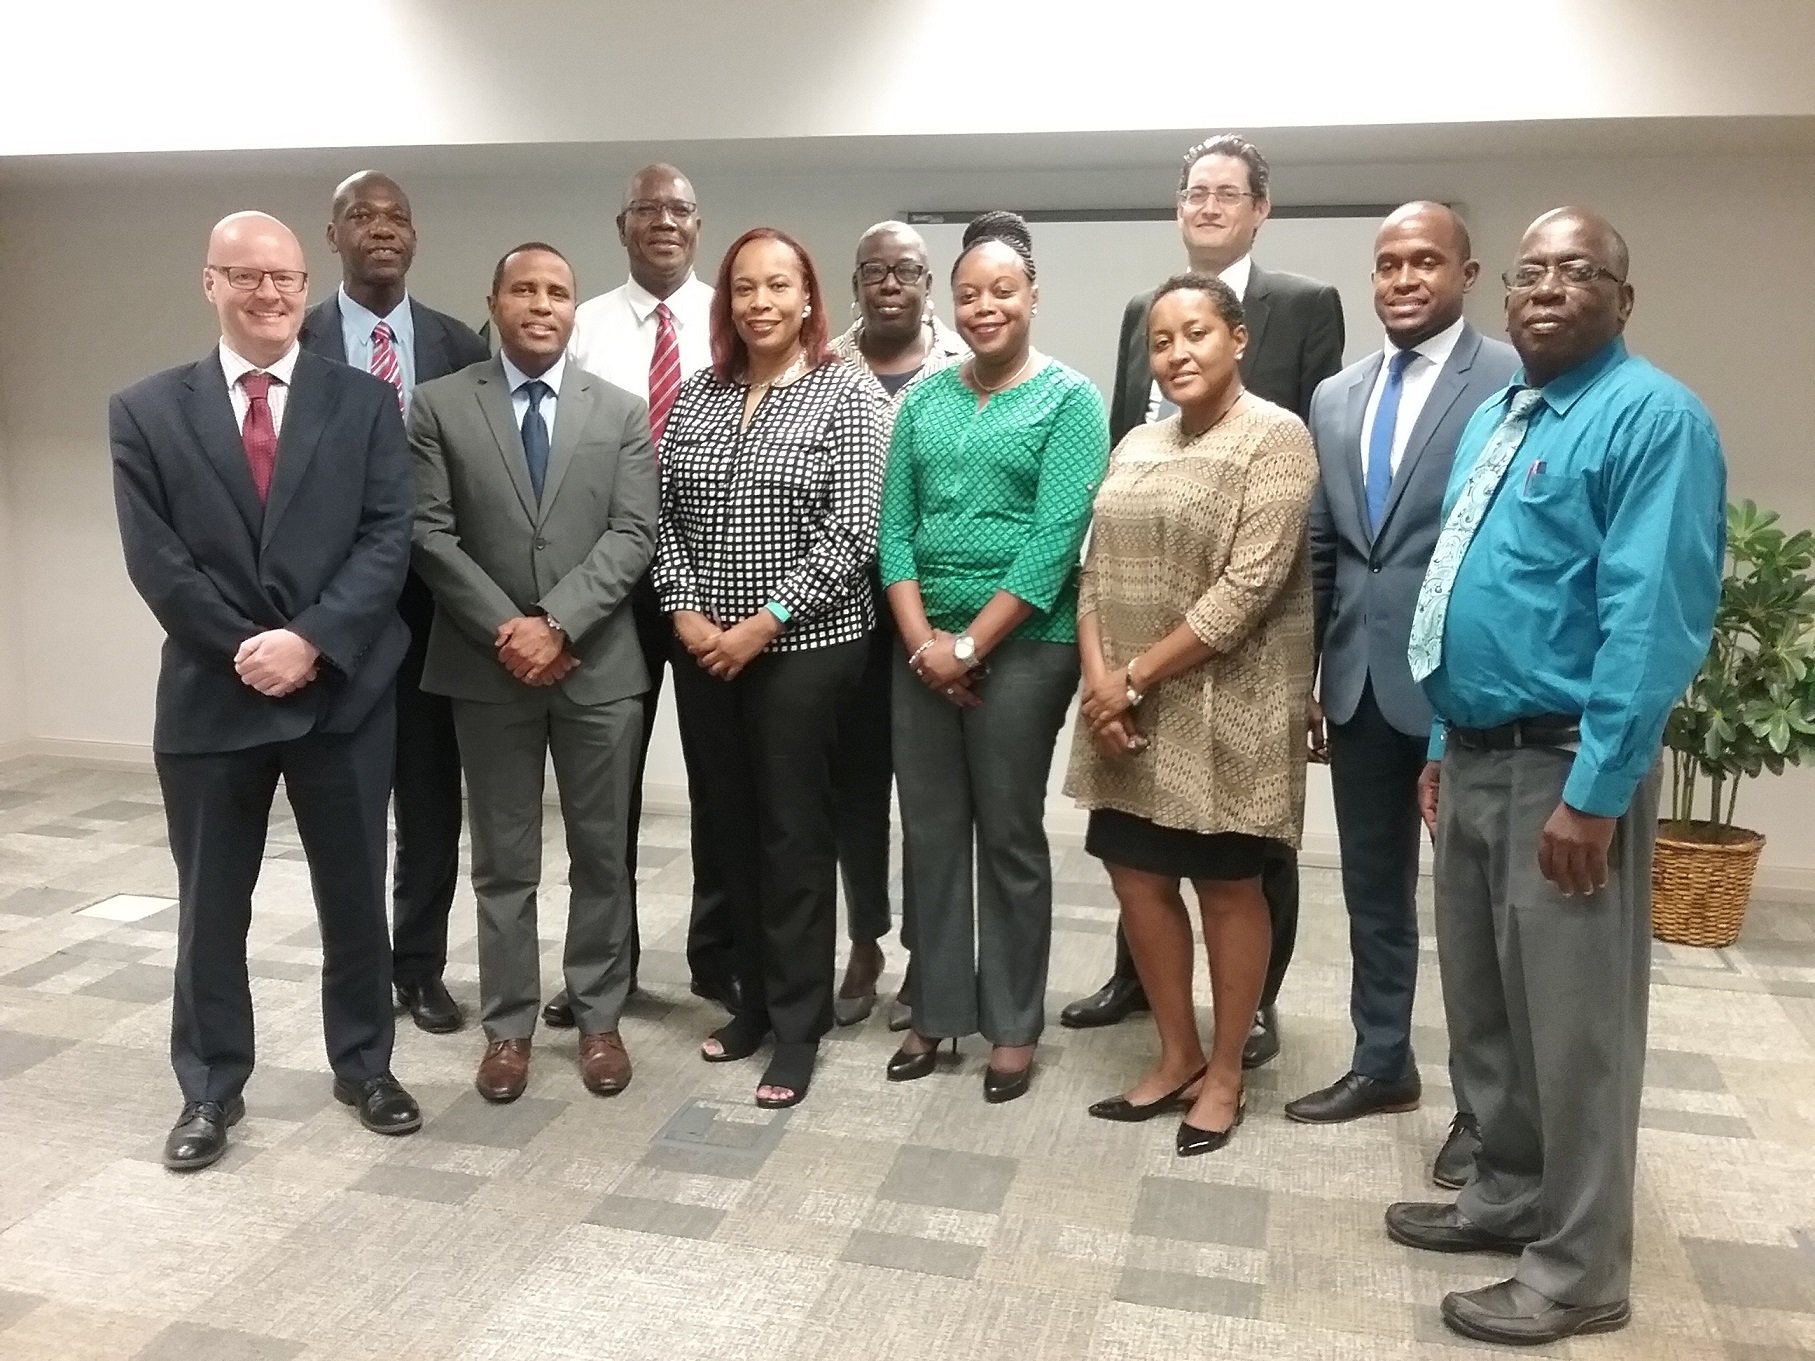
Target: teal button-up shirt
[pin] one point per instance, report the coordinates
(1591, 585)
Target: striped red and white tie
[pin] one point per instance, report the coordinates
(385, 363)
(664, 372)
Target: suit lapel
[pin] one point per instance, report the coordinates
(1449, 385)
(1355, 412)
(322, 330)
(432, 358)
(1255, 310)
(572, 412)
(494, 400)
(1140, 370)
(306, 412)
(209, 412)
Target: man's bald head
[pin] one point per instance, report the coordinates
(364, 182)
(659, 227)
(1436, 218)
(257, 279)
(374, 234)
(253, 230)
(1423, 268)
(1591, 227)
(1567, 297)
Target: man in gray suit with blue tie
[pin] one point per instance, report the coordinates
(1386, 431)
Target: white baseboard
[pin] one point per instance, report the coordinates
(114, 755)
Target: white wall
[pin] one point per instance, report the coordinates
(12, 717)
(100, 284)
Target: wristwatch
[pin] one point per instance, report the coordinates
(964, 649)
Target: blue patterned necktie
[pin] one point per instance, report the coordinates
(1380, 438)
(1425, 650)
(535, 436)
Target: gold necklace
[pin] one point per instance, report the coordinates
(987, 391)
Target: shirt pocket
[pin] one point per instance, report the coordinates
(1556, 523)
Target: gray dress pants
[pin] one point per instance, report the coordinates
(1546, 1001)
(972, 786)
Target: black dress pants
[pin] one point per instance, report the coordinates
(217, 806)
(864, 771)
(760, 752)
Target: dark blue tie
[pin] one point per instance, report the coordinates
(1380, 439)
(535, 435)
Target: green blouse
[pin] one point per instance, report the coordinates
(996, 496)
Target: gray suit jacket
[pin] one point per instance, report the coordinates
(490, 552)
(1365, 586)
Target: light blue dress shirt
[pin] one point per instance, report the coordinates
(356, 326)
(1591, 584)
(519, 399)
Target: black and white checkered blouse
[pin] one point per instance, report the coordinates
(785, 511)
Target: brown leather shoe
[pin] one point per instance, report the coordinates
(604, 1063)
(504, 1071)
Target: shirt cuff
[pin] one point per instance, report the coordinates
(1439, 742)
(1598, 793)
(779, 610)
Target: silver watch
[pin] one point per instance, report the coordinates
(964, 649)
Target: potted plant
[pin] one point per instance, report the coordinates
(1750, 709)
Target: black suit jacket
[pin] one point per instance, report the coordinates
(1295, 341)
(325, 556)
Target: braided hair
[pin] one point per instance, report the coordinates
(996, 225)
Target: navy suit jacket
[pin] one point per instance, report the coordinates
(325, 556)
(1365, 585)
(1295, 340)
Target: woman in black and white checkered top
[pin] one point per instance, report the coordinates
(772, 465)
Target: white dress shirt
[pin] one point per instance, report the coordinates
(1236, 276)
(236, 367)
(1415, 390)
(614, 333)
(519, 399)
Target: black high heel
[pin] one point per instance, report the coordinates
(999, 1086)
(738, 1038)
(1122, 1109)
(1193, 1141)
(907, 1066)
(790, 1068)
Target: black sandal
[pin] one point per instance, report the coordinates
(790, 1068)
(739, 1038)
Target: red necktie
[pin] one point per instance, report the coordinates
(664, 371)
(259, 433)
(385, 364)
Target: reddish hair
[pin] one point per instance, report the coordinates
(730, 356)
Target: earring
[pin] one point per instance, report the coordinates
(807, 311)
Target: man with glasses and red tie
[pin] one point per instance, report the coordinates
(372, 323)
(265, 505)
(646, 336)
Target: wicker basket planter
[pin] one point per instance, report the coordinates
(1701, 881)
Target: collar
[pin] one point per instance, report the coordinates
(368, 319)
(643, 302)
(515, 378)
(1237, 276)
(945, 344)
(236, 366)
(1563, 391)
(1437, 348)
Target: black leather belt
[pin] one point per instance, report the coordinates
(1547, 730)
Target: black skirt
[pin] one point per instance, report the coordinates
(1119, 838)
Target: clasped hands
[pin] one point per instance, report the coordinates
(533, 651)
(1103, 704)
(724, 653)
(940, 671)
(276, 662)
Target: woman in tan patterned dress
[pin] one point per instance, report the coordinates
(1194, 624)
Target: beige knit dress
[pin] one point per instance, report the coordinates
(1210, 531)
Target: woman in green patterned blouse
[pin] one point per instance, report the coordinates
(991, 473)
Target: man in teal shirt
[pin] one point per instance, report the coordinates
(1568, 604)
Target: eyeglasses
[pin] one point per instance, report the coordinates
(248, 280)
(649, 209)
(907, 272)
(1225, 194)
(1576, 273)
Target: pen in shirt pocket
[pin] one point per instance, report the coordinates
(1533, 473)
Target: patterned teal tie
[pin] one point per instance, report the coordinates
(1426, 648)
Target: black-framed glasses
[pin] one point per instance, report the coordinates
(649, 209)
(907, 272)
(1227, 195)
(248, 280)
(1577, 273)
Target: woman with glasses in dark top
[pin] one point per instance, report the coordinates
(896, 342)
(992, 468)
(772, 465)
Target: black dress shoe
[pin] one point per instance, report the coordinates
(199, 1136)
(1262, 1044)
(1456, 1159)
(383, 1106)
(1116, 1000)
(1192, 1141)
(1443, 1228)
(1512, 1313)
(1122, 1109)
(432, 1007)
(559, 1011)
(1352, 1096)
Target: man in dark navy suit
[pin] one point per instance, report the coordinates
(372, 323)
(265, 503)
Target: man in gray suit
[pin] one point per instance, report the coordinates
(1386, 431)
(536, 516)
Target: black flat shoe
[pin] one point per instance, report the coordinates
(1116, 1000)
(1122, 1109)
(383, 1105)
(999, 1086)
(199, 1136)
(791, 1069)
(431, 1006)
(738, 1038)
(559, 1011)
(907, 1066)
(1193, 1141)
